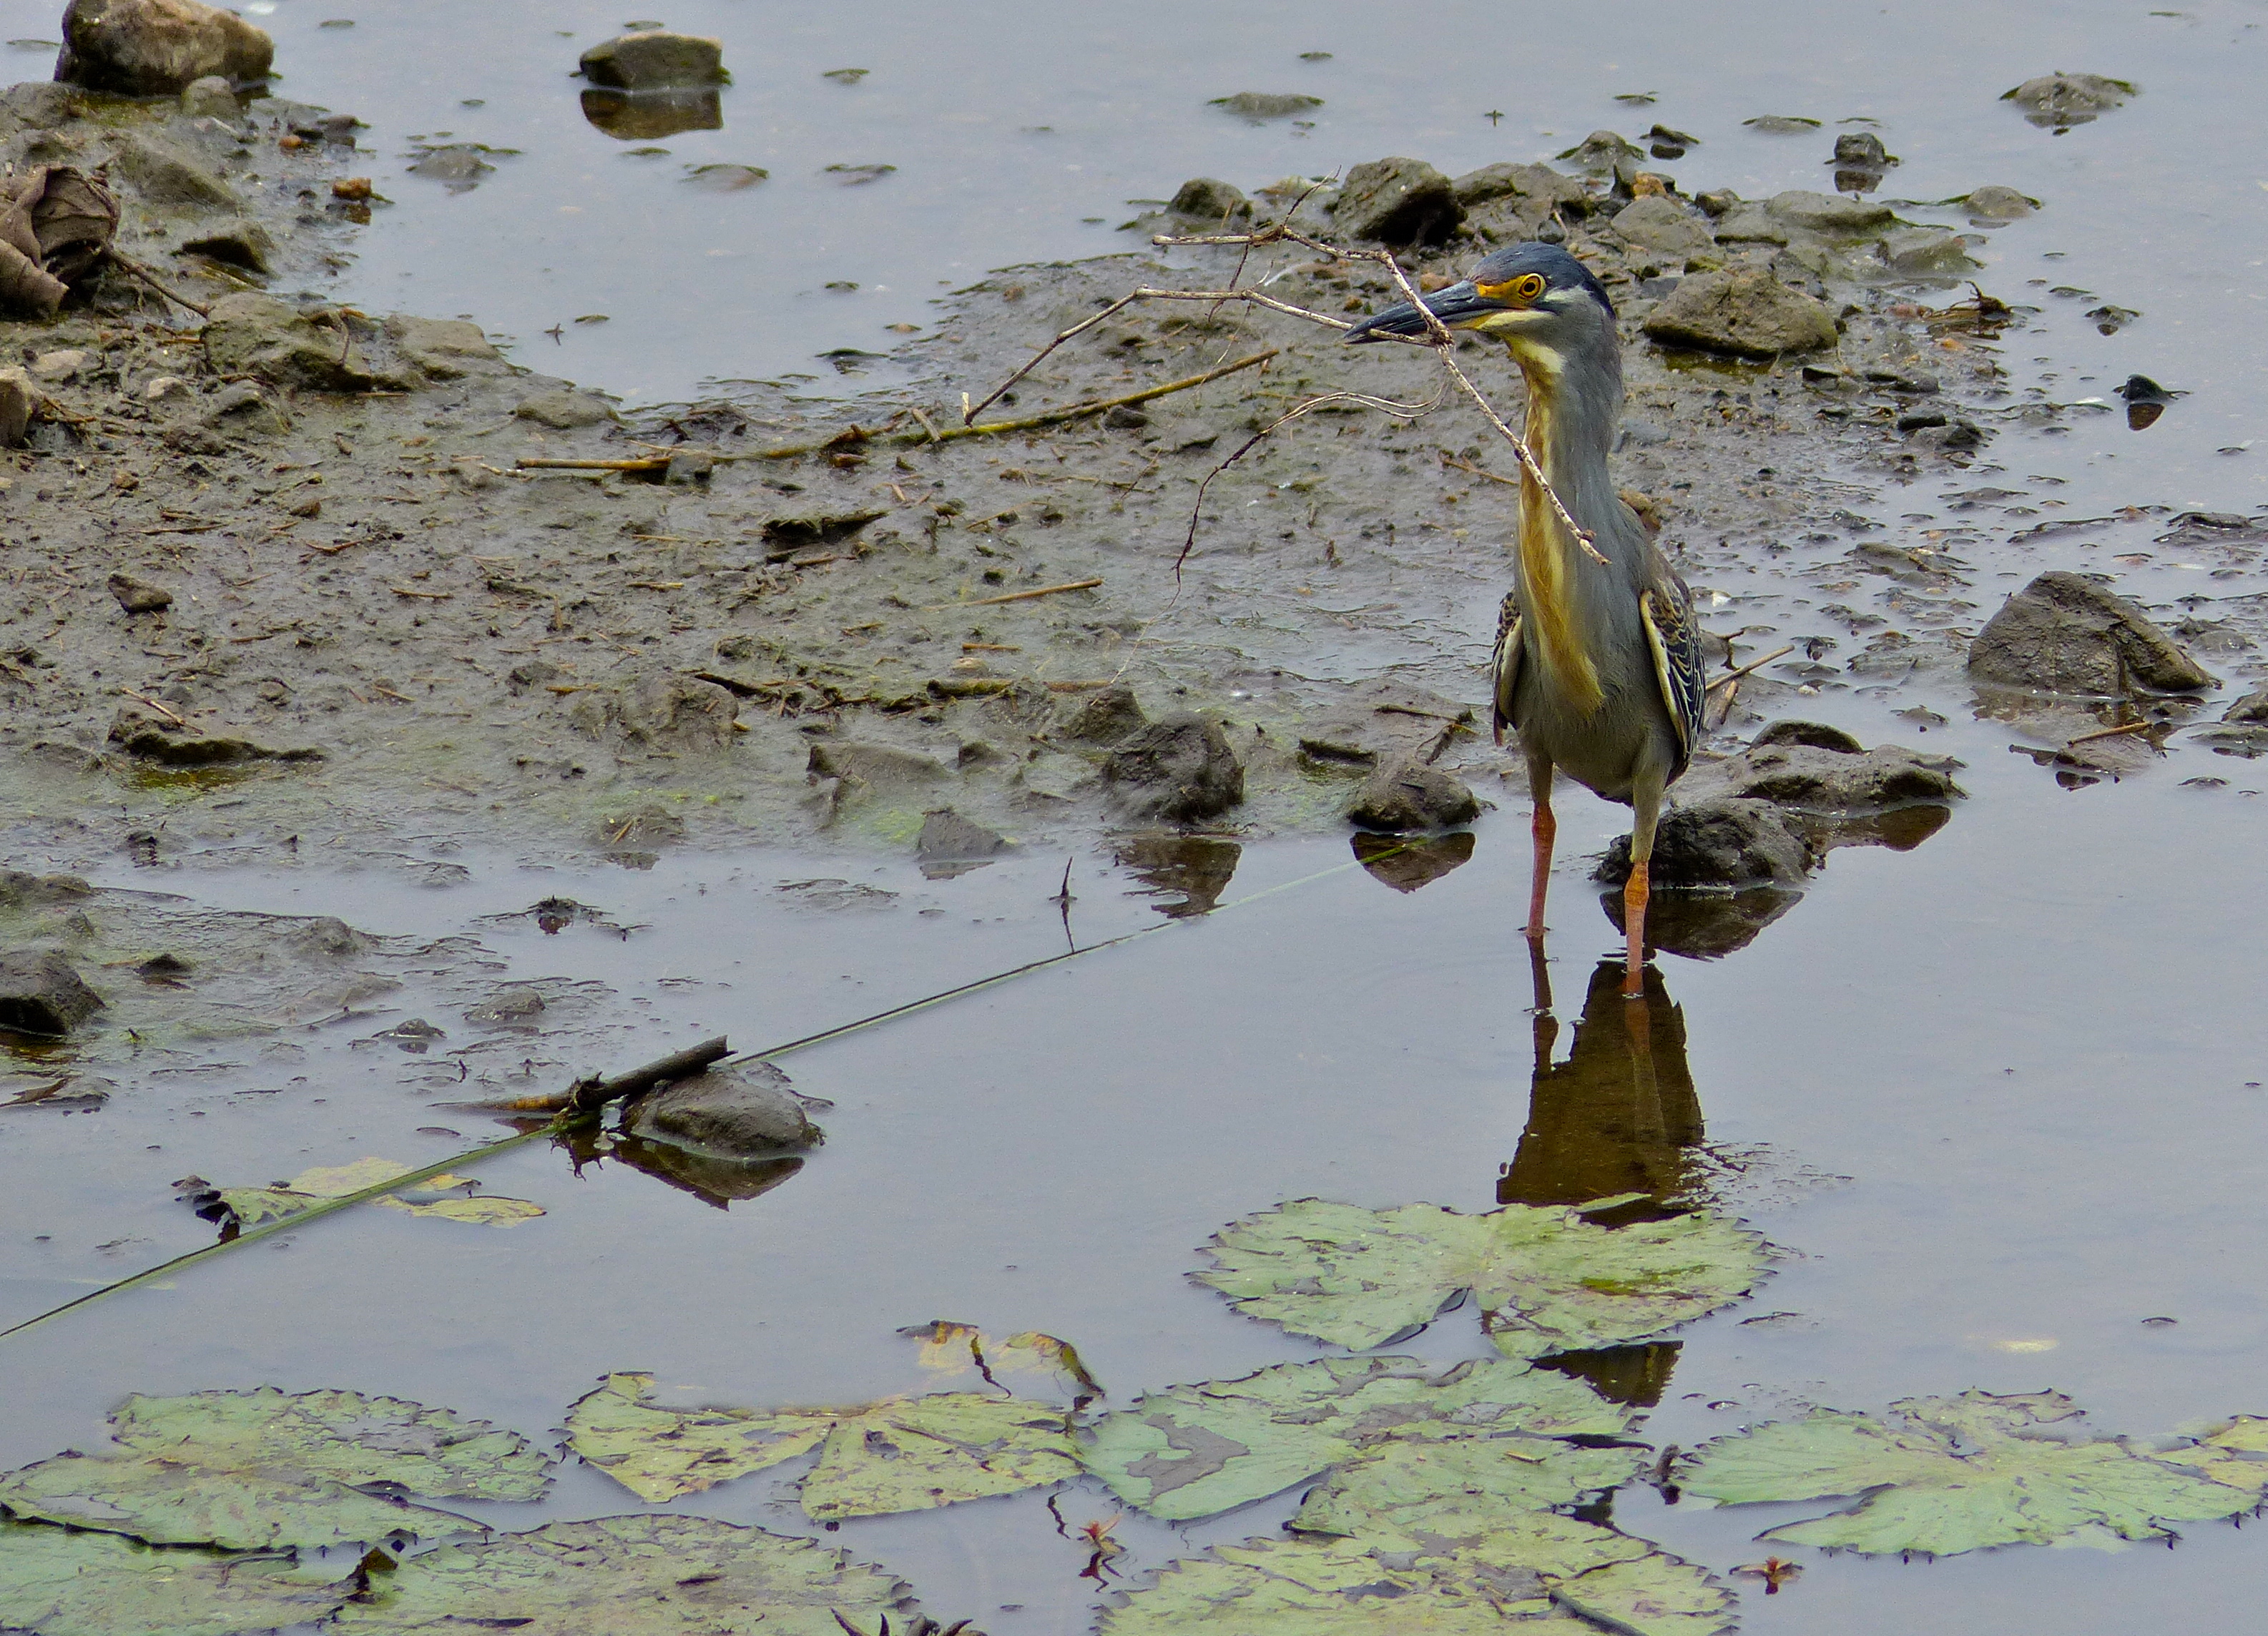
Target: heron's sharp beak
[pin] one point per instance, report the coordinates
(1458, 305)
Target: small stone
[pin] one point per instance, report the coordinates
(1104, 717)
(2068, 634)
(442, 348)
(1179, 769)
(950, 844)
(2068, 99)
(136, 597)
(2253, 708)
(56, 367)
(1862, 150)
(1817, 735)
(1492, 182)
(744, 1109)
(1716, 842)
(1604, 153)
(1829, 213)
(1259, 105)
(328, 937)
(1809, 778)
(1125, 417)
(511, 1008)
(19, 400)
(655, 60)
(1208, 199)
(1745, 311)
(158, 47)
(689, 469)
(1412, 797)
(41, 993)
(211, 97)
(166, 389)
(1665, 227)
(1926, 252)
(1397, 202)
(1989, 206)
(242, 407)
(565, 410)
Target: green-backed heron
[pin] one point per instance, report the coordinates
(1598, 664)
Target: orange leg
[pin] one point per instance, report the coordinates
(1547, 830)
(1634, 897)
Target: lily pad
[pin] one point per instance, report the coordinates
(251, 1206)
(1191, 1451)
(631, 1576)
(1947, 1475)
(1054, 1366)
(1546, 1278)
(2234, 1452)
(901, 1454)
(63, 1582)
(343, 1435)
(1461, 1490)
(1551, 1575)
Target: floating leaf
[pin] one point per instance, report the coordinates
(63, 1583)
(2227, 1455)
(901, 1454)
(949, 1346)
(1959, 1474)
(1460, 1490)
(631, 1576)
(250, 1207)
(1552, 1575)
(342, 1435)
(170, 1502)
(1194, 1450)
(1546, 1279)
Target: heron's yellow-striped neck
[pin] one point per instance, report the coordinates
(1550, 569)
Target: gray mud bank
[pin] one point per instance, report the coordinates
(281, 577)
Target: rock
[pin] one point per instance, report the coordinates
(136, 597)
(38, 105)
(148, 736)
(743, 1109)
(532, 673)
(2068, 99)
(457, 166)
(53, 368)
(1721, 842)
(510, 1008)
(1179, 769)
(1751, 223)
(878, 766)
(22, 891)
(163, 175)
(1258, 106)
(243, 407)
(1809, 778)
(40, 993)
(1827, 213)
(1208, 199)
(655, 60)
(1989, 206)
(1412, 797)
(328, 937)
(19, 400)
(1926, 252)
(1862, 150)
(2068, 634)
(950, 844)
(1520, 181)
(442, 348)
(1663, 226)
(1745, 311)
(1604, 152)
(255, 335)
(2253, 708)
(565, 410)
(1104, 717)
(166, 389)
(158, 47)
(241, 244)
(645, 115)
(211, 97)
(1817, 735)
(689, 469)
(1397, 202)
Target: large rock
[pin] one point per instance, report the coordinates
(1664, 226)
(157, 47)
(1746, 312)
(1719, 842)
(40, 993)
(163, 175)
(254, 335)
(1412, 797)
(442, 348)
(1829, 213)
(1812, 776)
(1519, 181)
(2068, 634)
(741, 1110)
(1179, 769)
(655, 60)
(1397, 202)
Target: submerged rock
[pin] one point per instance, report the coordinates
(1721, 841)
(2253, 708)
(1809, 775)
(157, 47)
(741, 1110)
(2064, 632)
(2068, 99)
(1412, 797)
(655, 60)
(1746, 312)
(41, 993)
(1988, 207)
(1258, 106)
(1829, 213)
(1397, 202)
(1179, 769)
(950, 844)
(1209, 198)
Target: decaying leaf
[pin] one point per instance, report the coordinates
(64, 1582)
(631, 1576)
(1946, 1475)
(1461, 1490)
(1544, 1575)
(1546, 1278)
(2235, 1452)
(251, 1207)
(55, 223)
(901, 1454)
(949, 1346)
(1191, 1451)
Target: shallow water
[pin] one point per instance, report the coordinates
(2005, 1085)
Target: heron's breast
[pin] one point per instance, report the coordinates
(1548, 575)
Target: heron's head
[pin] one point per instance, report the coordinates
(1543, 304)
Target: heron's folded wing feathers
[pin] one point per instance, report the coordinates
(1503, 670)
(1666, 608)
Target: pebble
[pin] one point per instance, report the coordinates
(60, 366)
(1412, 797)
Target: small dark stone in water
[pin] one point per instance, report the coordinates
(1180, 770)
(741, 1111)
(952, 845)
(1260, 106)
(41, 993)
(1818, 735)
(1717, 842)
(2142, 389)
(1862, 150)
(1209, 198)
(2063, 100)
(1412, 797)
(1781, 124)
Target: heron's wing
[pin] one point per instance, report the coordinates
(1666, 607)
(1503, 669)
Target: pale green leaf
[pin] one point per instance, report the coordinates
(63, 1583)
(170, 1502)
(1536, 1571)
(1459, 1491)
(1545, 1278)
(343, 1435)
(480, 1210)
(253, 1206)
(660, 1453)
(651, 1576)
(1027, 1361)
(1194, 1450)
(1959, 1474)
(2234, 1452)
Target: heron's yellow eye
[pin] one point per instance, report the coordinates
(1528, 286)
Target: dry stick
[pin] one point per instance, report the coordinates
(128, 264)
(1014, 595)
(642, 463)
(1754, 664)
(2107, 733)
(593, 1093)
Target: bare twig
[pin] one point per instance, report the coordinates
(1015, 596)
(640, 463)
(128, 264)
(174, 716)
(1730, 677)
(2108, 732)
